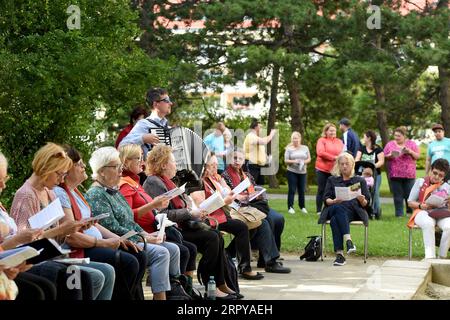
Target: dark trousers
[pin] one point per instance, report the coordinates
(264, 240)
(401, 187)
(240, 243)
(188, 255)
(255, 171)
(129, 268)
(276, 221)
(210, 244)
(322, 178)
(33, 287)
(296, 182)
(340, 217)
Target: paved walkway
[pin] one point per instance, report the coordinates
(311, 197)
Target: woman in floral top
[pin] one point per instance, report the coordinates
(402, 155)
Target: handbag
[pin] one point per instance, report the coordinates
(252, 217)
(439, 213)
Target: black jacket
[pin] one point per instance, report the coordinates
(330, 194)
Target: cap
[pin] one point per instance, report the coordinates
(437, 126)
(345, 122)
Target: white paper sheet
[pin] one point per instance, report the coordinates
(214, 202)
(256, 194)
(435, 201)
(242, 186)
(127, 235)
(175, 192)
(162, 227)
(47, 216)
(345, 194)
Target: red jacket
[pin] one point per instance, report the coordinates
(136, 198)
(125, 131)
(327, 149)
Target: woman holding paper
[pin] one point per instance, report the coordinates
(423, 215)
(97, 242)
(161, 168)
(35, 195)
(341, 213)
(402, 155)
(144, 207)
(296, 157)
(104, 197)
(212, 183)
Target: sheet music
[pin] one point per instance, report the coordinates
(242, 186)
(214, 202)
(175, 192)
(47, 216)
(127, 235)
(345, 194)
(436, 201)
(256, 194)
(14, 257)
(162, 228)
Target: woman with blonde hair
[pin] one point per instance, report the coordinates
(50, 166)
(296, 158)
(328, 148)
(341, 213)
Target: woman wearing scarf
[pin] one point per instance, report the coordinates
(161, 168)
(97, 242)
(422, 216)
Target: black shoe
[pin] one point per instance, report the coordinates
(228, 297)
(340, 260)
(177, 291)
(261, 264)
(257, 276)
(350, 247)
(276, 267)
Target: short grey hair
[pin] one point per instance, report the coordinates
(101, 157)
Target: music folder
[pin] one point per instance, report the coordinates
(49, 249)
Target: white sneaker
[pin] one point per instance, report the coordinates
(291, 210)
(304, 210)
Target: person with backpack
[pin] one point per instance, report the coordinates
(158, 99)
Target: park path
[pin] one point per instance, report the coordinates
(275, 196)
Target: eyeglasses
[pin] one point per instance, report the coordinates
(118, 167)
(437, 174)
(166, 100)
(80, 164)
(61, 175)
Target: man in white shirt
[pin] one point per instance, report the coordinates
(158, 99)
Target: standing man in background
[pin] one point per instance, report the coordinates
(438, 149)
(349, 137)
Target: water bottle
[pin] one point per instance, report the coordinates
(211, 289)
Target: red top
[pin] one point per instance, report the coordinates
(125, 131)
(136, 198)
(327, 149)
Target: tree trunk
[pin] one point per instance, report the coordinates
(296, 106)
(273, 181)
(381, 113)
(444, 98)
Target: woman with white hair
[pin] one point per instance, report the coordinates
(341, 213)
(104, 197)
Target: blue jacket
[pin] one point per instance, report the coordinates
(352, 142)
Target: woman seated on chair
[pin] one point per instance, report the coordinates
(161, 168)
(341, 213)
(424, 216)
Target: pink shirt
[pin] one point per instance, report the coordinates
(26, 204)
(403, 166)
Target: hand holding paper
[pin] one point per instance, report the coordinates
(214, 202)
(175, 192)
(241, 187)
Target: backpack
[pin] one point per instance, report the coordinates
(313, 249)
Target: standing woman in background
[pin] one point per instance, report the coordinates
(296, 157)
(327, 149)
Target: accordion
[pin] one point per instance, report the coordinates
(190, 154)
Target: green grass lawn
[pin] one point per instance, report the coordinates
(388, 237)
(312, 189)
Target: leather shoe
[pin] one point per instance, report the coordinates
(276, 267)
(257, 276)
(227, 297)
(238, 296)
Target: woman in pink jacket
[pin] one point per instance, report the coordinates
(328, 148)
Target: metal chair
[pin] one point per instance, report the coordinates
(353, 223)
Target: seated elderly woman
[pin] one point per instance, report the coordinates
(161, 168)
(50, 165)
(144, 208)
(428, 215)
(264, 239)
(104, 197)
(97, 242)
(341, 213)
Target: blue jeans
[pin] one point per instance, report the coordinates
(401, 188)
(296, 181)
(265, 242)
(163, 261)
(276, 221)
(103, 277)
(340, 217)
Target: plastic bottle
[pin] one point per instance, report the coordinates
(211, 289)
